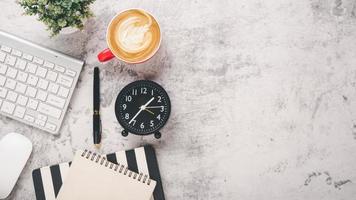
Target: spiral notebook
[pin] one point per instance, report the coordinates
(92, 177)
(48, 180)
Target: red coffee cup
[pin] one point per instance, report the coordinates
(132, 36)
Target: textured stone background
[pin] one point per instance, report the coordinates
(263, 94)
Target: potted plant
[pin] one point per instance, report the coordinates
(59, 14)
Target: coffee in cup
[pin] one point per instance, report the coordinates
(133, 36)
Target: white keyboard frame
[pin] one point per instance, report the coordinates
(49, 55)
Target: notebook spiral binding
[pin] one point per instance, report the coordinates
(116, 167)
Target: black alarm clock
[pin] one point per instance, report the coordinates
(142, 108)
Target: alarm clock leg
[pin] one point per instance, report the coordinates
(124, 133)
(157, 135)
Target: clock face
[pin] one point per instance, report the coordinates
(142, 107)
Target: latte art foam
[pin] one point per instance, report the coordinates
(134, 35)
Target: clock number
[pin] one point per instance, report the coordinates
(124, 106)
(162, 108)
(142, 126)
(159, 117)
(151, 123)
(134, 91)
(159, 99)
(127, 116)
(151, 92)
(128, 98)
(134, 122)
(144, 90)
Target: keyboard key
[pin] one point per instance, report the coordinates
(43, 84)
(20, 64)
(53, 88)
(19, 112)
(49, 110)
(3, 92)
(21, 88)
(3, 68)
(38, 60)
(59, 68)
(32, 80)
(32, 104)
(56, 101)
(63, 92)
(48, 65)
(41, 72)
(22, 100)
(2, 80)
(40, 122)
(70, 73)
(51, 126)
(27, 57)
(22, 76)
(41, 95)
(5, 48)
(51, 76)
(11, 84)
(42, 117)
(29, 118)
(31, 68)
(2, 56)
(11, 96)
(8, 107)
(16, 52)
(10, 60)
(31, 91)
(11, 72)
(65, 80)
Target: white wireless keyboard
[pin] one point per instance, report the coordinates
(36, 83)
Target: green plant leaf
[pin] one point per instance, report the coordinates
(58, 14)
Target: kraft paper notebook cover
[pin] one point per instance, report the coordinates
(92, 177)
(48, 180)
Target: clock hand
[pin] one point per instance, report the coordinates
(154, 106)
(149, 111)
(141, 109)
(144, 106)
(135, 116)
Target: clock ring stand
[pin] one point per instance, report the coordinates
(142, 108)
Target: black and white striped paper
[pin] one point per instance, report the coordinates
(48, 180)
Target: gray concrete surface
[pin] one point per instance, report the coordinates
(263, 96)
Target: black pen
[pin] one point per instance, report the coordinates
(96, 109)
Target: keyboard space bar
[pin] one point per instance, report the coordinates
(49, 110)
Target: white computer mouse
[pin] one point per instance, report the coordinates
(15, 149)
